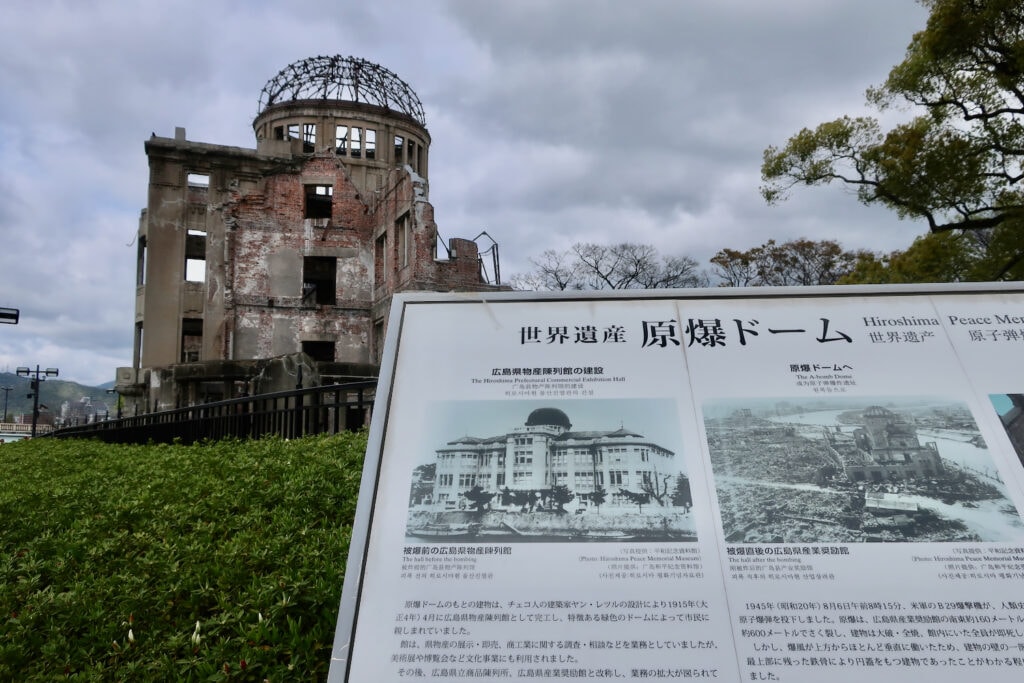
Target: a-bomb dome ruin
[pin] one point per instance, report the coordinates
(260, 269)
(347, 79)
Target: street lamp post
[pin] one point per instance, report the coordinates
(40, 375)
(7, 392)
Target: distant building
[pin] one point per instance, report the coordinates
(266, 268)
(545, 452)
(888, 448)
(46, 419)
(78, 412)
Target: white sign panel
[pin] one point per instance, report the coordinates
(777, 485)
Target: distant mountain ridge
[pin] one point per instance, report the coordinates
(52, 393)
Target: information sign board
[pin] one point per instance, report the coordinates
(758, 484)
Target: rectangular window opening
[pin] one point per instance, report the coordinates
(341, 140)
(293, 131)
(412, 154)
(137, 355)
(308, 138)
(399, 149)
(380, 261)
(371, 143)
(356, 149)
(195, 256)
(402, 235)
(198, 179)
(318, 201)
(191, 339)
(322, 351)
(140, 266)
(319, 280)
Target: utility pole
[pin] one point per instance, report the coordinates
(8, 316)
(40, 375)
(7, 392)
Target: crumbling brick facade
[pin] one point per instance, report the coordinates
(294, 248)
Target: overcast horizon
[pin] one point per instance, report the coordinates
(551, 123)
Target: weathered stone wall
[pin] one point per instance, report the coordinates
(256, 300)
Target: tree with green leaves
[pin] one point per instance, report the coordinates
(797, 262)
(506, 496)
(682, 496)
(959, 164)
(598, 497)
(935, 257)
(938, 257)
(523, 499)
(478, 498)
(559, 496)
(422, 484)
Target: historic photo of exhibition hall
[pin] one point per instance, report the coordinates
(855, 470)
(542, 480)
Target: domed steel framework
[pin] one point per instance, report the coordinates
(342, 78)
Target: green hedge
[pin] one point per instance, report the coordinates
(219, 561)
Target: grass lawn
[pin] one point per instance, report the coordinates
(219, 561)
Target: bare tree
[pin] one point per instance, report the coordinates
(626, 265)
(553, 271)
(656, 486)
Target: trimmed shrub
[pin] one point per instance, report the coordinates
(219, 561)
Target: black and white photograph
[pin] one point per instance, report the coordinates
(841, 469)
(1010, 408)
(586, 470)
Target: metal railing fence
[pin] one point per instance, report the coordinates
(290, 414)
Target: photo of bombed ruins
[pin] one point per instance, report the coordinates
(853, 470)
(1010, 408)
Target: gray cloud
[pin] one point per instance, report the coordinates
(551, 122)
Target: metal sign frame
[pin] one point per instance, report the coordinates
(881, 340)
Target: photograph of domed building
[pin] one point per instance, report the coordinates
(849, 469)
(1010, 408)
(544, 452)
(545, 477)
(888, 448)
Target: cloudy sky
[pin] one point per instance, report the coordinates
(553, 122)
